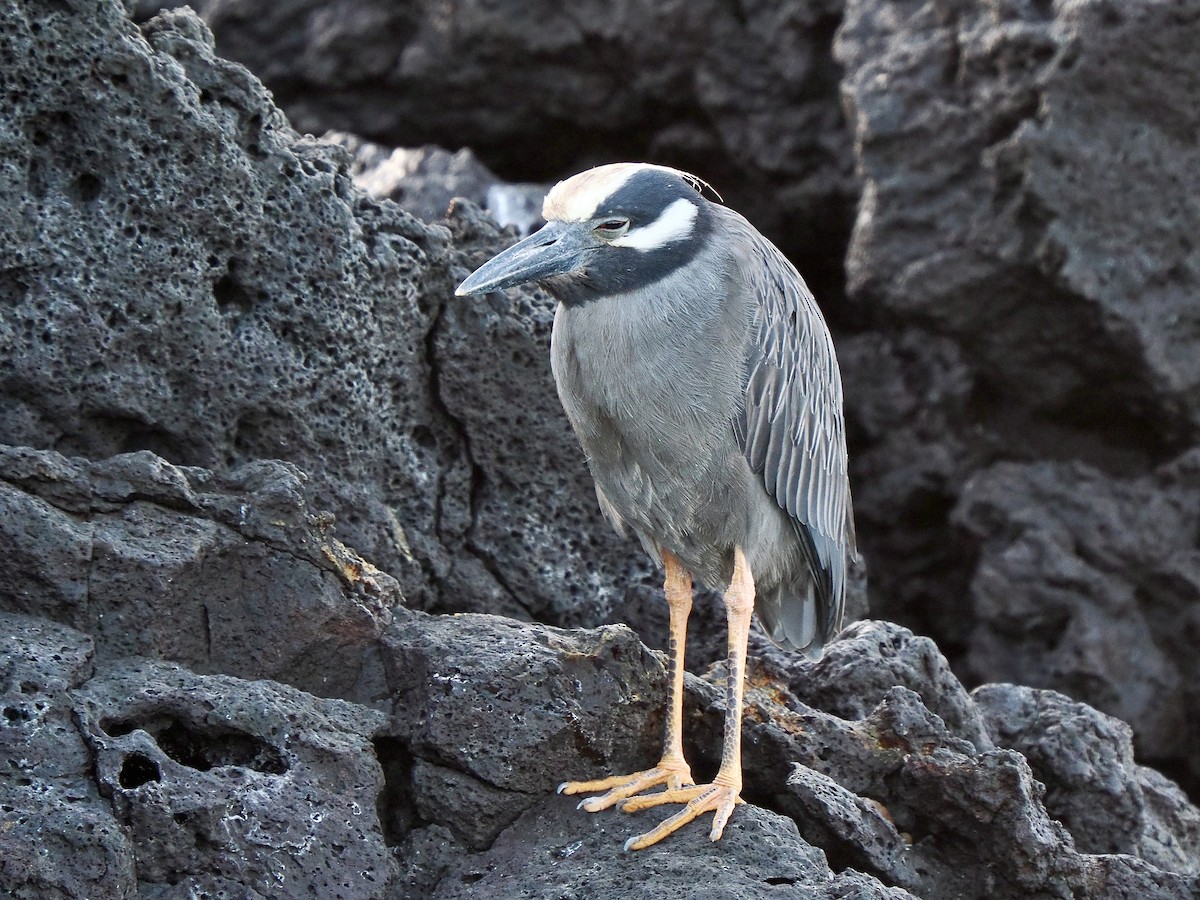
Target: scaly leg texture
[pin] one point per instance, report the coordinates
(722, 795)
(672, 770)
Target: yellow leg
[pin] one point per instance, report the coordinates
(722, 795)
(672, 770)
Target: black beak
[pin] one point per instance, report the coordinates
(556, 249)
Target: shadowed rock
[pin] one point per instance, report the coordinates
(1087, 584)
(1024, 244)
(212, 339)
(748, 94)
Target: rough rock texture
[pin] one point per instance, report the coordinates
(220, 360)
(1109, 802)
(1023, 255)
(471, 696)
(541, 90)
(762, 855)
(153, 560)
(245, 786)
(1030, 192)
(171, 780)
(142, 779)
(1028, 204)
(1030, 201)
(58, 836)
(1110, 607)
(424, 182)
(864, 664)
(191, 782)
(1021, 273)
(896, 794)
(181, 273)
(893, 794)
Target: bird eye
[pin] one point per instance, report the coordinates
(612, 228)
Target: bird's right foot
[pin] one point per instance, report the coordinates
(673, 773)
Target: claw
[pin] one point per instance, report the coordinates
(674, 774)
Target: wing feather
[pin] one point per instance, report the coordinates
(791, 427)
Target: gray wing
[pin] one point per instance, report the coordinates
(792, 433)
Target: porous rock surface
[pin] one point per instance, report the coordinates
(211, 782)
(747, 92)
(183, 274)
(141, 779)
(1030, 199)
(230, 380)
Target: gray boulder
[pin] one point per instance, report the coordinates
(1027, 193)
(1024, 244)
(151, 559)
(140, 779)
(1087, 584)
(183, 274)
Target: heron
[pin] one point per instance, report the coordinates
(700, 378)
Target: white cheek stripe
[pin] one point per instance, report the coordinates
(674, 224)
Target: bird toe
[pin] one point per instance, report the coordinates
(671, 773)
(719, 799)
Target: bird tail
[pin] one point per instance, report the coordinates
(794, 617)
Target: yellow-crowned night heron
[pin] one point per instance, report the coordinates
(701, 381)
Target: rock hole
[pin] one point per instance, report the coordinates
(14, 286)
(156, 440)
(394, 806)
(36, 177)
(16, 714)
(423, 437)
(116, 728)
(138, 769)
(231, 295)
(109, 433)
(203, 747)
(85, 188)
(196, 749)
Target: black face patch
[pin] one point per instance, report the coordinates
(645, 196)
(617, 270)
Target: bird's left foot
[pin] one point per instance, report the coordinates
(674, 773)
(717, 798)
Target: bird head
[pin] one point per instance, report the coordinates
(608, 230)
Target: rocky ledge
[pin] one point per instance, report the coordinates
(158, 742)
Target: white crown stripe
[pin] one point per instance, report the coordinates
(578, 198)
(674, 224)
